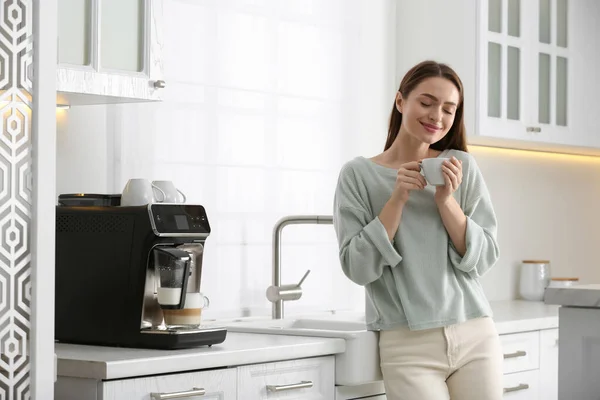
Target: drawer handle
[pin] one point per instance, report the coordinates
(516, 354)
(522, 386)
(178, 395)
(281, 388)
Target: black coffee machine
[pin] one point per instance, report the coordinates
(109, 262)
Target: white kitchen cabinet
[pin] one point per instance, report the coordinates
(306, 379)
(521, 351)
(109, 51)
(217, 384)
(530, 364)
(524, 81)
(527, 66)
(522, 386)
(549, 364)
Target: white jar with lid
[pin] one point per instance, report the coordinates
(534, 278)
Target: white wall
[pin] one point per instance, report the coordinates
(224, 148)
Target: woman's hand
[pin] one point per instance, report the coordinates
(452, 170)
(408, 178)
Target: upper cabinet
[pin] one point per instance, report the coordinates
(109, 51)
(528, 66)
(524, 85)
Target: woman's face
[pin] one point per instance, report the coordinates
(428, 111)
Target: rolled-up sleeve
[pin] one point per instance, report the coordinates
(482, 250)
(364, 249)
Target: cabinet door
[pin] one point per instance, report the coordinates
(117, 54)
(522, 386)
(549, 364)
(550, 61)
(215, 384)
(75, 32)
(521, 351)
(304, 379)
(503, 71)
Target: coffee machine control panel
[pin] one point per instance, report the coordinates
(179, 219)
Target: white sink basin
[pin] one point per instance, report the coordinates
(357, 365)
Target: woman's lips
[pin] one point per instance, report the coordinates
(430, 128)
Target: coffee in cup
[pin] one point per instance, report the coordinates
(190, 315)
(432, 170)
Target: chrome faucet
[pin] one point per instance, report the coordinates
(278, 293)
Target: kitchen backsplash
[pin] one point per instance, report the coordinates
(251, 158)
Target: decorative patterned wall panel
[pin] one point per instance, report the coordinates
(16, 53)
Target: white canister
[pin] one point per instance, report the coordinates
(534, 278)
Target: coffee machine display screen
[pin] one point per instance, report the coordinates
(173, 219)
(181, 222)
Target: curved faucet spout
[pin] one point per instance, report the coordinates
(277, 312)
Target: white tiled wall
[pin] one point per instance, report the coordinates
(254, 145)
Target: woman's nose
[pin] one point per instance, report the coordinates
(435, 115)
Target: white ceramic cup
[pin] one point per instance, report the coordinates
(172, 194)
(139, 192)
(432, 170)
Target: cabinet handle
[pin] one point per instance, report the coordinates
(534, 129)
(521, 386)
(178, 395)
(281, 388)
(159, 84)
(516, 354)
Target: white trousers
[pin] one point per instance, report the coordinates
(458, 362)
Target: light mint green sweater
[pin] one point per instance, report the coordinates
(417, 280)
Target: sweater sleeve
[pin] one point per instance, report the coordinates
(365, 248)
(481, 235)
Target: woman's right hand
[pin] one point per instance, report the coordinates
(408, 178)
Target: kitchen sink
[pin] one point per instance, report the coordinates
(357, 365)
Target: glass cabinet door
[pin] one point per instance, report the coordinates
(504, 65)
(122, 24)
(75, 32)
(552, 62)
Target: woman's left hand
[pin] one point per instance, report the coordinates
(452, 170)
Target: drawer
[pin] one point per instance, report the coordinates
(217, 384)
(306, 379)
(521, 351)
(521, 386)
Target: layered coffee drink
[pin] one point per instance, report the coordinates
(190, 315)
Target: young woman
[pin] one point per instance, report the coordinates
(419, 250)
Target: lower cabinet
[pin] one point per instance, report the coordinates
(531, 365)
(209, 385)
(522, 386)
(306, 379)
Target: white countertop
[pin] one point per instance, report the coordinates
(99, 362)
(521, 316)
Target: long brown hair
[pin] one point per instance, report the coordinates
(456, 136)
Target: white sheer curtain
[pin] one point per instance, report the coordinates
(265, 100)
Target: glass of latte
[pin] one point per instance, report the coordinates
(190, 315)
